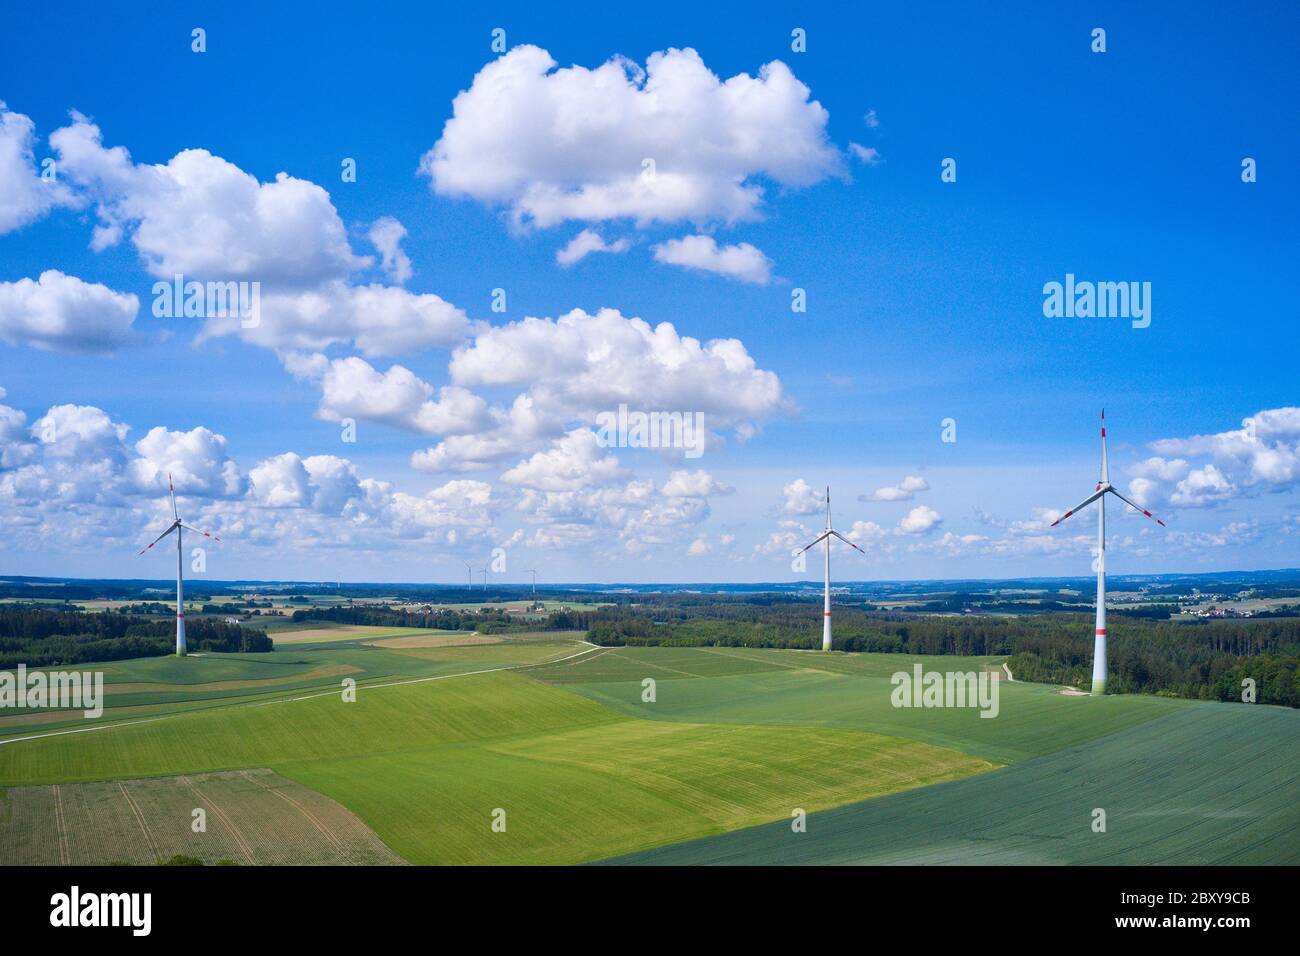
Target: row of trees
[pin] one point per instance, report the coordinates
(39, 637)
(1204, 660)
(487, 620)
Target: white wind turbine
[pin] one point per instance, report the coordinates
(826, 536)
(469, 571)
(1099, 496)
(177, 526)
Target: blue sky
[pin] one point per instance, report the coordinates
(924, 297)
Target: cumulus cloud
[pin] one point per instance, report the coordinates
(353, 388)
(196, 460)
(61, 313)
(204, 217)
(575, 461)
(741, 261)
(323, 483)
(553, 145)
(386, 235)
(694, 484)
(919, 520)
(905, 490)
(802, 498)
(1261, 456)
(585, 243)
(577, 366)
(25, 195)
(379, 320)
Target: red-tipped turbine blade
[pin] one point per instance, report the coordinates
(157, 539)
(201, 531)
(1141, 509)
(1081, 505)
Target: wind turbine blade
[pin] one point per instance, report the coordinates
(201, 531)
(172, 488)
(1105, 468)
(819, 540)
(159, 538)
(1139, 508)
(848, 542)
(1080, 506)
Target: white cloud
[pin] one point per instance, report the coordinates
(204, 217)
(353, 388)
(1261, 456)
(25, 195)
(377, 319)
(802, 498)
(585, 243)
(694, 484)
(868, 155)
(568, 144)
(575, 461)
(741, 261)
(905, 490)
(580, 364)
(919, 520)
(196, 460)
(386, 235)
(62, 313)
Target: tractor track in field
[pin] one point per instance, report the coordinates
(285, 700)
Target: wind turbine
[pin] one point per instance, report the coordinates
(469, 570)
(484, 570)
(533, 572)
(177, 526)
(826, 536)
(1099, 496)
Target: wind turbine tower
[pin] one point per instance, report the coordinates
(1099, 495)
(534, 574)
(826, 536)
(179, 528)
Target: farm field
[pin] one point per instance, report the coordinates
(354, 632)
(252, 817)
(146, 687)
(555, 733)
(852, 691)
(425, 764)
(1204, 784)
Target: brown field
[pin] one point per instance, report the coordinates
(254, 817)
(435, 640)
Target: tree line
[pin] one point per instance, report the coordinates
(38, 637)
(1205, 660)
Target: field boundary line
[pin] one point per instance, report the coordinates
(284, 700)
(153, 850)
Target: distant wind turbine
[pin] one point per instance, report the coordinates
(177, 526)
(469, 570)
(534, 574)
(826, 536)
(484, 580)
(1099, 496)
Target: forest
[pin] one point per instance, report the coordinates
(1207, 660)
(38, 637)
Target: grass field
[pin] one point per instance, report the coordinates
(556, 734)
(1203, 784)
(738, 685)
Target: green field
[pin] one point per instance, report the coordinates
(556, 733)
